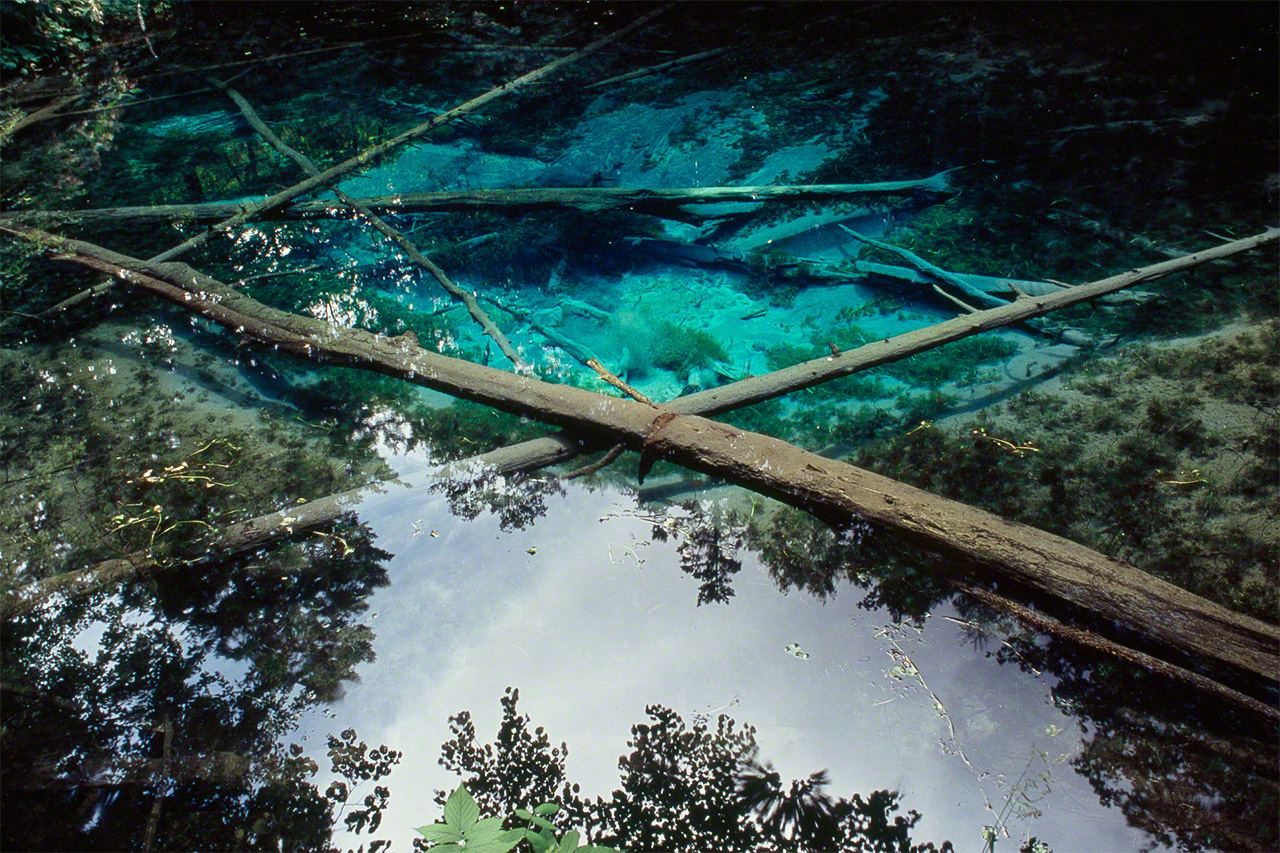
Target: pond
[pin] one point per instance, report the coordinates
(268, 594)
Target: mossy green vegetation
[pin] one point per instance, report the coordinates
(681, 349)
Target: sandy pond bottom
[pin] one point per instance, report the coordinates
(593, 620)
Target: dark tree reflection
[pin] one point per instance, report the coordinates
(518, 501)
(683, 788)
(1192, 773)
(152, 718)
(710, 538)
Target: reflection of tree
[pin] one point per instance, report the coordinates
(291, 612)
(517, 770)
(1195, 775)
(517, 501)
(152, 718)
(803, 814)
(683, 788)
(806, 554)
(709, 543)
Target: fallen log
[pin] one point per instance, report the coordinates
(673, 203)
(51, 111)
(232, 539)
(974, 543)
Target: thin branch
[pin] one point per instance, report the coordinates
(407, 245)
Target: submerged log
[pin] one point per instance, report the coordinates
(677, 202)
(654, 69)
(975, 543)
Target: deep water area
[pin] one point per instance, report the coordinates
(260, 594)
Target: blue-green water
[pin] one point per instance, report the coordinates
(160, 712)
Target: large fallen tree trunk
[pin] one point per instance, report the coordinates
(678, 202)
(974, 543)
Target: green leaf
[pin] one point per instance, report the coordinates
(461, 810)
(539, 842)
(492, 846)
(570, 841)
(547, 808)
(484, 831)
(524, 814)
(542, 822)
(515, 836)
(440, 832)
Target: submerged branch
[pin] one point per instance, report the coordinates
(369, 156)
(677, 202)
(410, 248)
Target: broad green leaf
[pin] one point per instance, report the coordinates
(541, 821)
(547, 808)
(461, 810)
(484, 831)
(570, 841)
(515, 836)
(539, 842)
(439, 832)
(492, 846)
(596, 848)
(524, 814)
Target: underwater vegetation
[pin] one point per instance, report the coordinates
(652, 342)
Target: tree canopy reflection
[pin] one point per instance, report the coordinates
(154, 718)
(684, 787)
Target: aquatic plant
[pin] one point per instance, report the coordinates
(659, 343)
(681, 349)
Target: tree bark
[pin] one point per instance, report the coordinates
(673, 203)
(972, 542)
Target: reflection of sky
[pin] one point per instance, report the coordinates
(600, 622)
